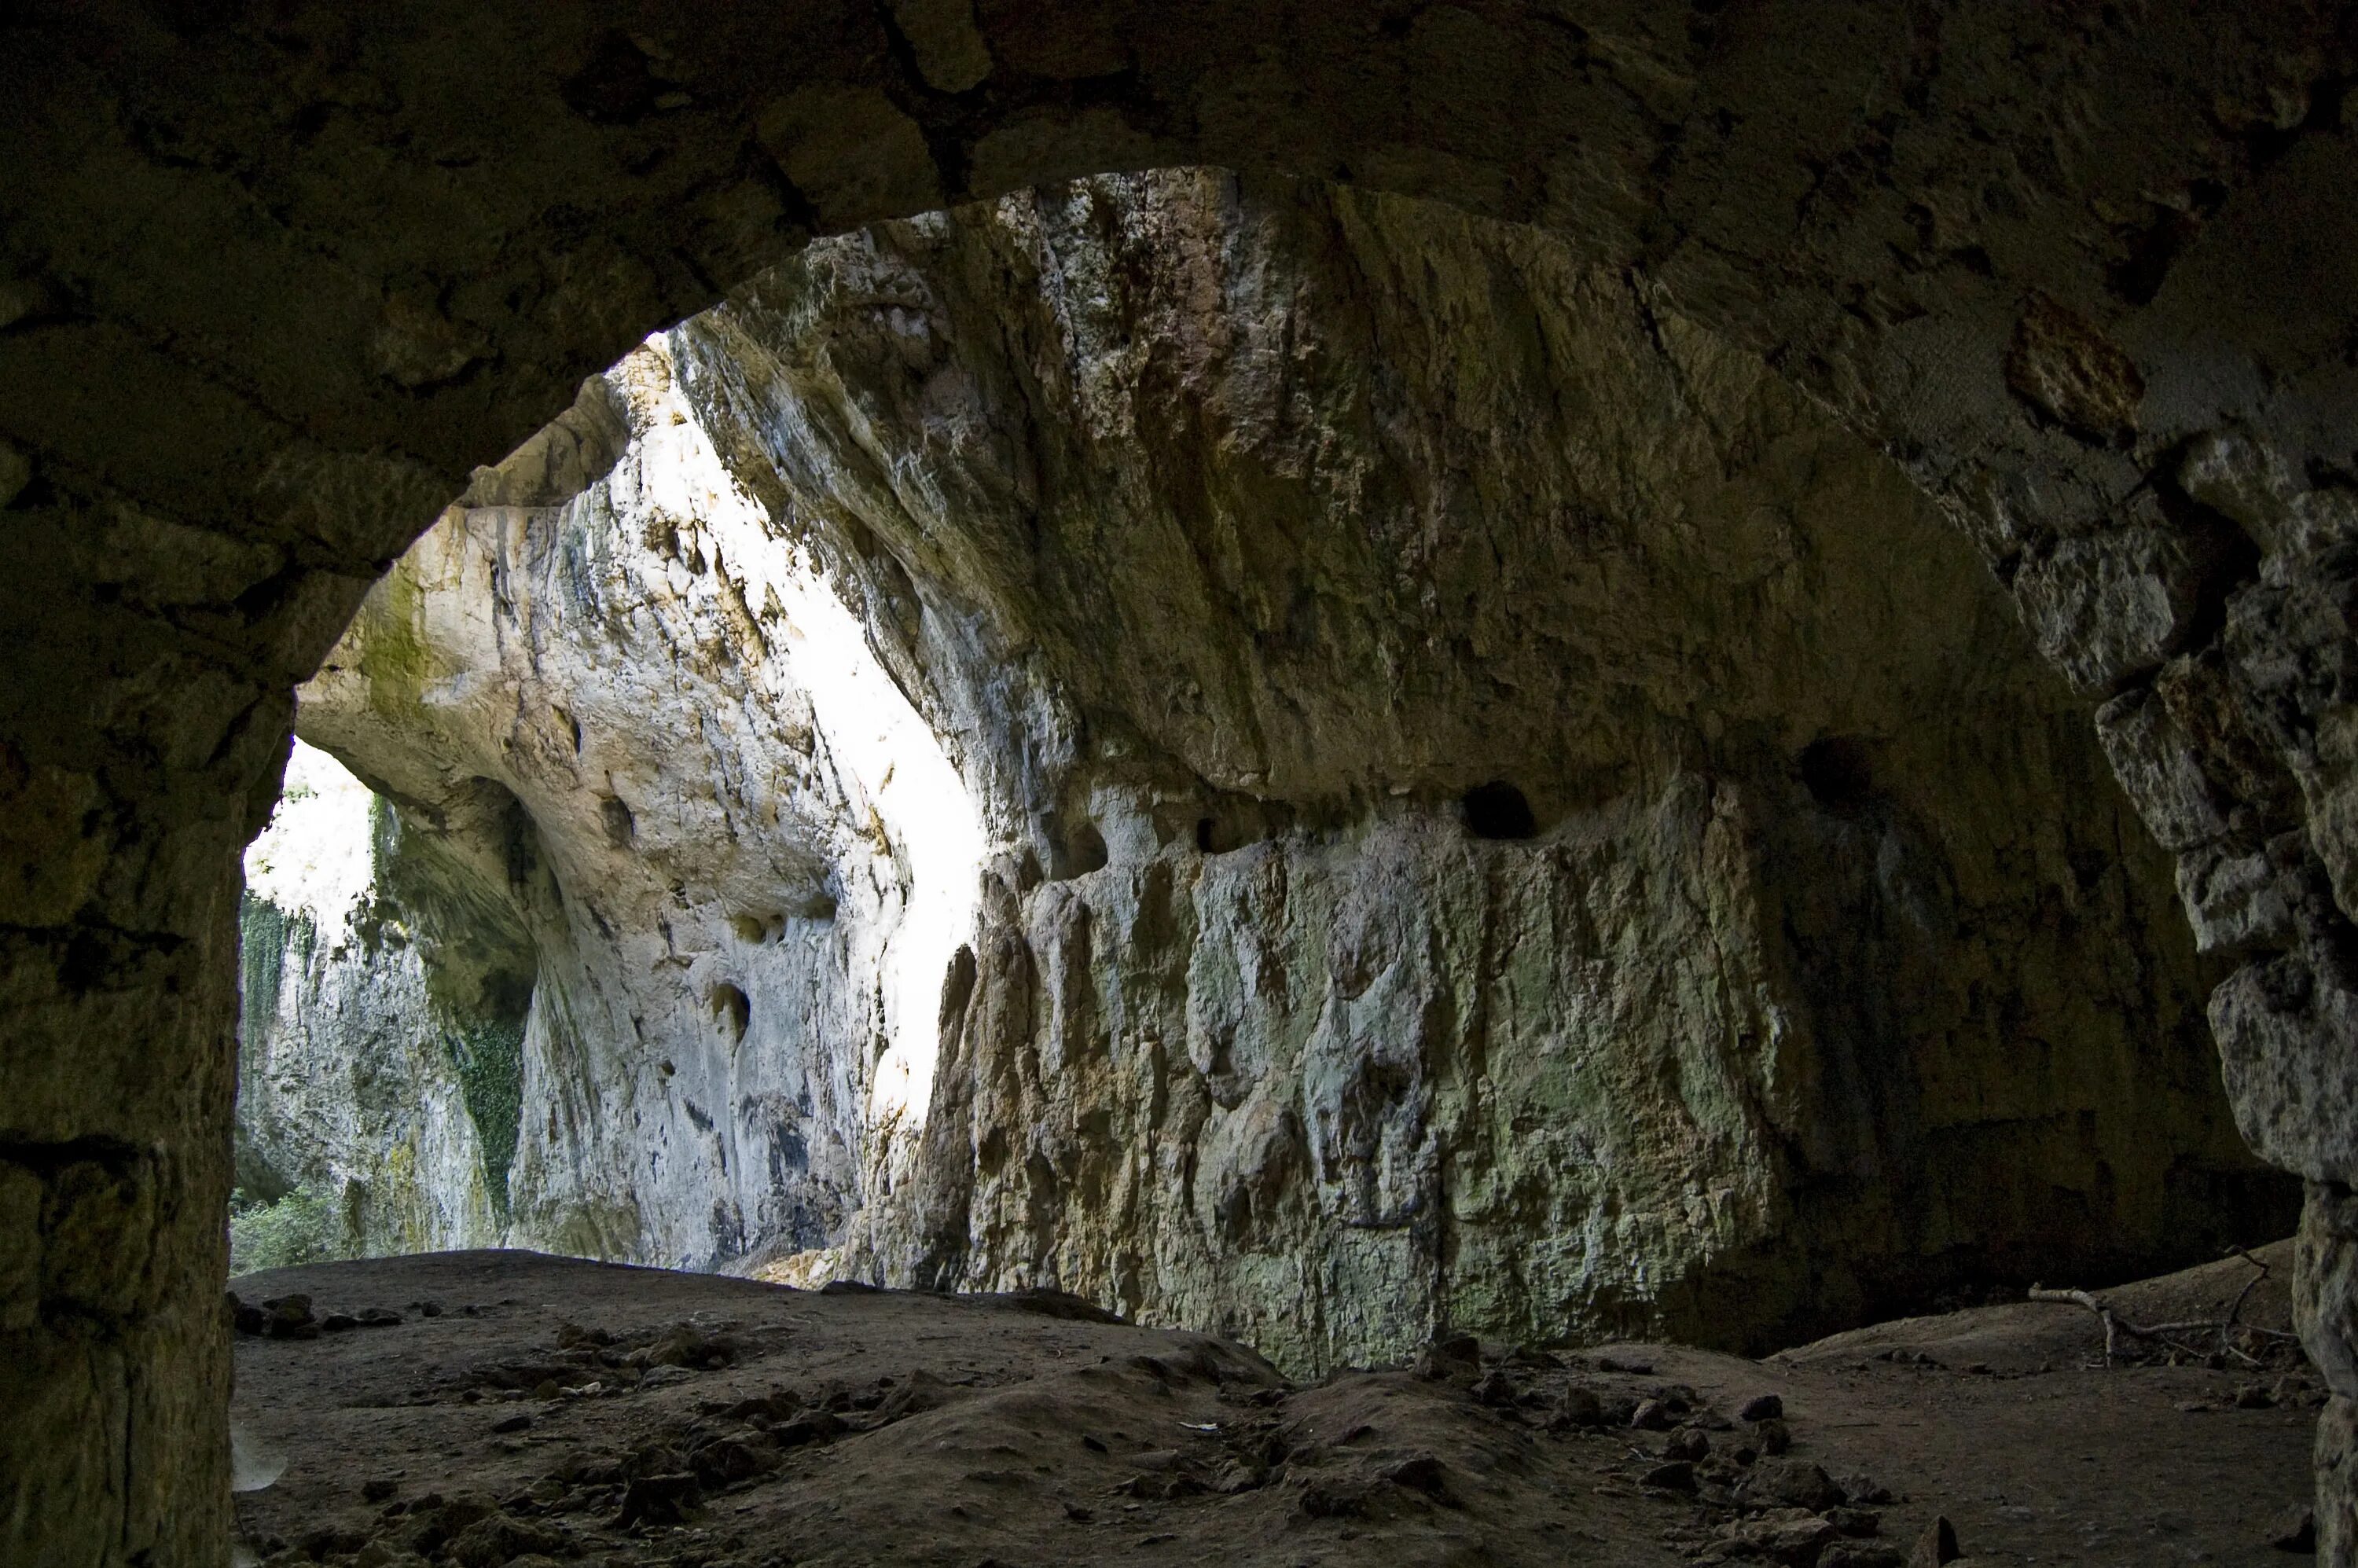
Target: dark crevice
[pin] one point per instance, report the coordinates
(2222, 557)
(1838, 774)
(1499, 811)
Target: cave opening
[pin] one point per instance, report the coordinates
(1497, 810)
(751, 785)
(1848, 426)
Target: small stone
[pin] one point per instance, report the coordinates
(1579, 1406)
(1420, 1473)
(429, 1309)
(1688, 1442)
(1861, 1554)
(811, 1427)
(517, 1423)
(1679, 1475)
(1791, 1482)
(739, 1456)
(1857, 1523)
(1450, 1356)
(1937, 1547)
(657, 1499)
(1773, 1436)
(1616, 1364)
(1865, 1490)
(339, 1321)
(1652, 1415)
(1761, 1407)
(381, 1555)
(378, 1317)
(290, 1318)
(500, 1540)
(377, 1488)
(1789, 1536)
(2254, 1397)
(1495, 1389)
(2294, 1529)
(246, 1317)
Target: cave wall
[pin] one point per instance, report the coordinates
(363, 1096)
(1233, 534)
(272, 279)
(568, 700)
(1828, 970)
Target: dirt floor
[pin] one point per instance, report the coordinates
(528, 1409)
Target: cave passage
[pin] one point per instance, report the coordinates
(1344, 778)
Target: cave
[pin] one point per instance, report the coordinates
(1354, 704)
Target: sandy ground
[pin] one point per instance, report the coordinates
(530, 1410)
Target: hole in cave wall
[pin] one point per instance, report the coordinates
(732, 1010)
(1839, 772)
(1497, 810)
(1077, 849)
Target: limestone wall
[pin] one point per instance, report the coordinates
(359, 1093)
(1224, 568)
(273, 279)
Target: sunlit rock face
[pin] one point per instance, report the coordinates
(1292, 763)
(360, 1091)
(1238, 539)
(678, 836)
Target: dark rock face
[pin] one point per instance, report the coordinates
(274, 283)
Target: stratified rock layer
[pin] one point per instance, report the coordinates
(1489, 810)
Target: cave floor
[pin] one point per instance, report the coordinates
(558, 1409)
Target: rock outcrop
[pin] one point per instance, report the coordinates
(1417, 787)
(360, 1089)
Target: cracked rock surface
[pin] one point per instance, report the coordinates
(1475, 805)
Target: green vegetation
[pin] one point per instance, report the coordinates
(489, 1054)
(304, 1227)
(264, 932)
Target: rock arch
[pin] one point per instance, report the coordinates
(272, 280)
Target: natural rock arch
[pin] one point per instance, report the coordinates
(271, 282)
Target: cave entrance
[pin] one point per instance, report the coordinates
(385, 990)
(1472, 795)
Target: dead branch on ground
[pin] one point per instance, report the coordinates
(2222, 1329)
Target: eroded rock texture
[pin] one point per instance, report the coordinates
(647, 847)
(1244, 543)
(361, 1078)
(272, 279)
(1491, 811)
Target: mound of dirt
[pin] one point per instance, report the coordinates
(526, 1410)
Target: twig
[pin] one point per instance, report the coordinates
(2082, 1298)
(2249, 1286)
(2160, 1333)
